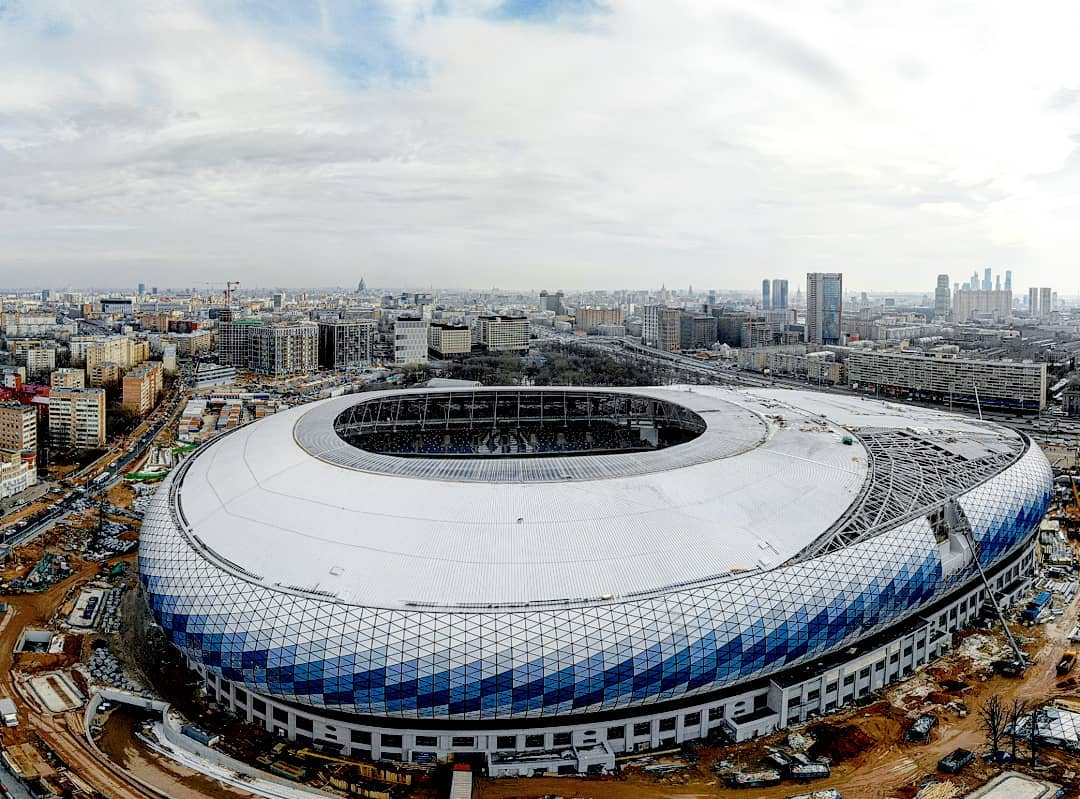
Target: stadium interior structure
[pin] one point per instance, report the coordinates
(549, 576)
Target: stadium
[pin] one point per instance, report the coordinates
(546, 577)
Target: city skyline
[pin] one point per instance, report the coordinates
(621, 144)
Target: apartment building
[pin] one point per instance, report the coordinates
(40, 360)
(346, 342)
(68, 377)
(18, 427)
(142, 388)
(446, 339)
(661, 327)
(950, 380)
(284, 349)
(103, 375)
(589, 319)
(77, 418)
(125, 351)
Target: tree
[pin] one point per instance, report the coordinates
(992, 717)
(1016, 712)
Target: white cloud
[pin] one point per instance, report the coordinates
(687, 142)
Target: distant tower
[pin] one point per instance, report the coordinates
(142, 289)
(1008, 280)
(766, 295)
(361, 287)
(779, 295)
(941, 297)
(824, 307)
(987, 281)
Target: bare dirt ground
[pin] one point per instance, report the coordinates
(887, 767)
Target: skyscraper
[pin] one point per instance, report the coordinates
(1046, 302)
(941, 297)
(1008, 280)
(779, 294)
(987, 282)
(824, 304)
(1033, 302)
(766, 295)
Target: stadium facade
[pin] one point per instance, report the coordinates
(412, 574)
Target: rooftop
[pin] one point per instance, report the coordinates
(766, 478)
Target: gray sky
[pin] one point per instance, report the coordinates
(532, 143)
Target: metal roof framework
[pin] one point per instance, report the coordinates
(910, 474)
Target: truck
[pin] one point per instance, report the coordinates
(754, 779)
(809, 771)
(1035, 607)
(1065, 665)
(8, 713)
(955, 760)
(919, 731)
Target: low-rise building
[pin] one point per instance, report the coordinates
(16, 473)
(446, 339)
(77, 418)
(497, 333)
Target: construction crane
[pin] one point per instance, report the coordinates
(229, 285)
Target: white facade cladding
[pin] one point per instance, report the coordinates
(380, 565)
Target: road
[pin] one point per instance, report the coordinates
(112, 474)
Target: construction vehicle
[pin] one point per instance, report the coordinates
(1068, 660)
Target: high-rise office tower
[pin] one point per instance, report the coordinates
(1046, 302)
(1008, 280)
(941, 297)
(987, 282)
(779, 295)
(997, 283)
(1033, 302)
(142, 289)
(824, 304)
(766, 295)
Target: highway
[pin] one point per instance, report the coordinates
(1042, 427)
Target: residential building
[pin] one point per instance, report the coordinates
(40, 360)
(103, 375)
(234, 340)
(142, 387)
(77, 418)
(16, 473)
(125, 351)
(756, 333)
(284, 349)
(447, 339)
(193, 343)
(824, 307)
(1046, 305)
(780, 294)
(345, 343)
(18, 427)
(410, 341)
(552, 302)
(949, 380)
(941, 298)
(589, 319)
(696, 331)
(498, 333)
(968, 305)
(68, 377)
(661, 327)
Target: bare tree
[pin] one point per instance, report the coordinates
(1033, 735)
(1016, 712)
(992, 716)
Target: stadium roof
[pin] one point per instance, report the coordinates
(288, 502)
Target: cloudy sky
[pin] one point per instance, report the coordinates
(531, 143)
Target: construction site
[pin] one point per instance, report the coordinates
(100, 708)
